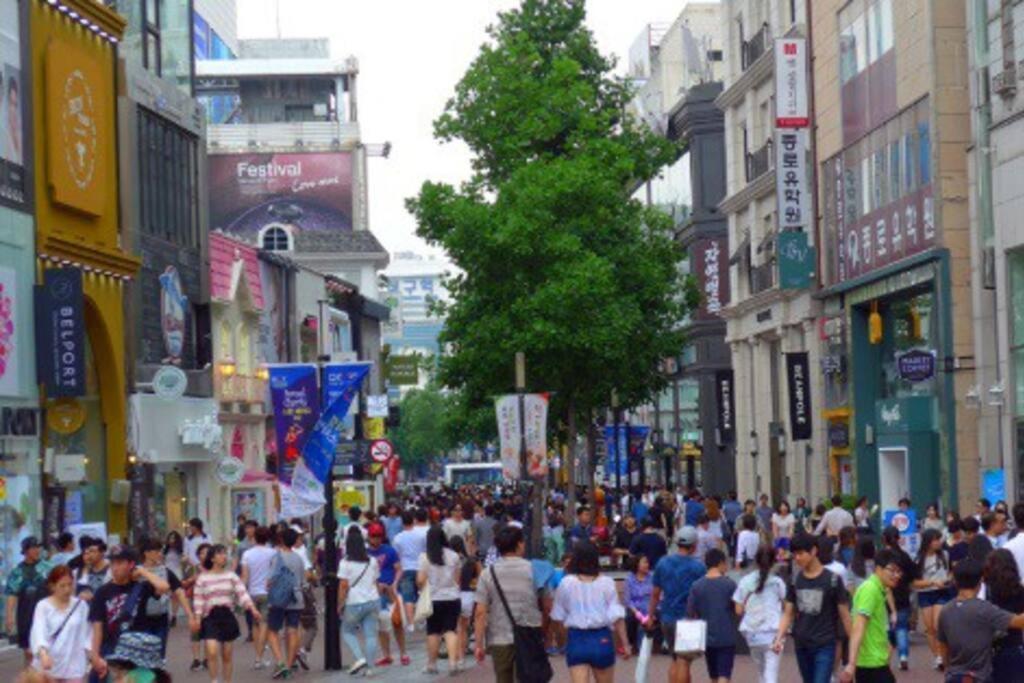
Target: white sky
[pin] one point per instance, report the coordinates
(411, 54)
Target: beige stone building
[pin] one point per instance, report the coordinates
(891, 131)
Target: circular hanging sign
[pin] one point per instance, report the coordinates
(229, 470)
(170, 382)
(65, 416)
(381, 450)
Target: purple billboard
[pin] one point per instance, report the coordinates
(296, 403)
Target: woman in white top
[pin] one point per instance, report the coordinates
(359, 600)
(933, 586)
(783, 524)
(759, 599)
(747, 541)
(61, 635)
(438, 569)
(588, 605)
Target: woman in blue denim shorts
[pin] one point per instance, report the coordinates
(588, 605)
(933, 586)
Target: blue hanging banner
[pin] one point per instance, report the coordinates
(60, 333)
(305, 496)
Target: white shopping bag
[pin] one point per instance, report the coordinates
(691, 635)
(642, 662)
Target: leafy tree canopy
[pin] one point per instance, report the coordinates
(555, 259)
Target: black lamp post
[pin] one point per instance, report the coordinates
(332, 634)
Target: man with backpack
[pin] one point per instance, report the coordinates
(118, 606)
(26, 585)
(255, 571)
(284, 599)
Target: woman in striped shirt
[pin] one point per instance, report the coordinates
(217, 591)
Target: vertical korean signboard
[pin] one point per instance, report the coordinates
(792, 193)
(791, 104)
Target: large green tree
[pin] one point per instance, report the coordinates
(423, 432)
(555, 259)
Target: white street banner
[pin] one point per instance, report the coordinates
(791, 110)
(791, 190)
(536, 409)
(507, 408)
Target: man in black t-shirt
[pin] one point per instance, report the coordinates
(119, 606)
(816, 601)
(649, 543)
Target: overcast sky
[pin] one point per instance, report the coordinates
(411, 54)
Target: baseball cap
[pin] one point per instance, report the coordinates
(686, 537)
(123, 552)
(29, 542)
(376, 530)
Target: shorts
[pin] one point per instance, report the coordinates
(782, 544)
(219, 625)
(668, 633)
(590, 647)
(468, 599)
(719, 661)
(261, 604)
(932, 598)
(407, 587)
(280, 617)
(445, 618)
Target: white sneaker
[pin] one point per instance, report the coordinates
(937, 664)
(259, 665)
(356, 667)
(370, 672)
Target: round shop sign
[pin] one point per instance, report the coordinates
(229, 470)
(65, 416)
(901, 522)
(381, 450)
(169, 382)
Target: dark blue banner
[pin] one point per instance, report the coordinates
(341, 381)
(296, 404)
(60, 335)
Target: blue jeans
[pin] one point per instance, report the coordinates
(816, 663)
(899, 637)
(361, 617)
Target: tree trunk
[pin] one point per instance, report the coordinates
(570, 509)
(591, 457)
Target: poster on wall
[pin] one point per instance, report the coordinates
(252, 503)
(12, 137)
(296, 403)
(304, 192)
(10, 377)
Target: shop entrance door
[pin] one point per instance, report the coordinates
(893, 476)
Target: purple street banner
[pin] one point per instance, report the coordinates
(296, 403)
(305, 496)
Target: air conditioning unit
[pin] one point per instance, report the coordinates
(1005, 83)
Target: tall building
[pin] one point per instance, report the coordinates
(21, 510)
(675, 69)
(997, 244)
(892, 126)
(770, 328)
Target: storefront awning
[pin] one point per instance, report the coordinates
(183, 430)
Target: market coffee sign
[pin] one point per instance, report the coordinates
(916, 365)
(60, 330)
(798, 375)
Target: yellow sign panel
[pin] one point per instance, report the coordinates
(65, 416)
(77, 121)
(3, 489)
(373, 428)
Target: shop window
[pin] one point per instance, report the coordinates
(275, 237)
(909, 325)
(924, 150)
(1015, 264)
(226, 342)
(168, 180)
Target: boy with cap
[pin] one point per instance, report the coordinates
(26, 585)
(118, 606)
(673, 578)
(390, 571)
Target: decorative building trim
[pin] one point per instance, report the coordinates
(100, 19)
(760, 188)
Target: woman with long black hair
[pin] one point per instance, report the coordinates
(933, 586)
(359, 600)
(1005, 591)
(438, 569)
(759, 600)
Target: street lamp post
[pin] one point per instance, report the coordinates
(618, 444)
(332, 635)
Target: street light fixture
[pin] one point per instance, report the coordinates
(227, 367)
(753, 443)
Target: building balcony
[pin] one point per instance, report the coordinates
(762, 277)
(752, 49)
(312, 136)
(235, 388)
(759, 162)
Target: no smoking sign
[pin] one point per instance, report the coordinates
(381, 450)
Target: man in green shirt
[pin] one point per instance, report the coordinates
(869, 642)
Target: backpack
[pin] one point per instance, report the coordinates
(281, 586)
(159, 605)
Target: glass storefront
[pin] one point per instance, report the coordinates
(911, 326)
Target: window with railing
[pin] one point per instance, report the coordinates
(751, 50)
(762, 277)
(759, 161)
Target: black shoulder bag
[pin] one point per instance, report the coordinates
(531, 659)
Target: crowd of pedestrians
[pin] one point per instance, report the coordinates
(453, 564)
